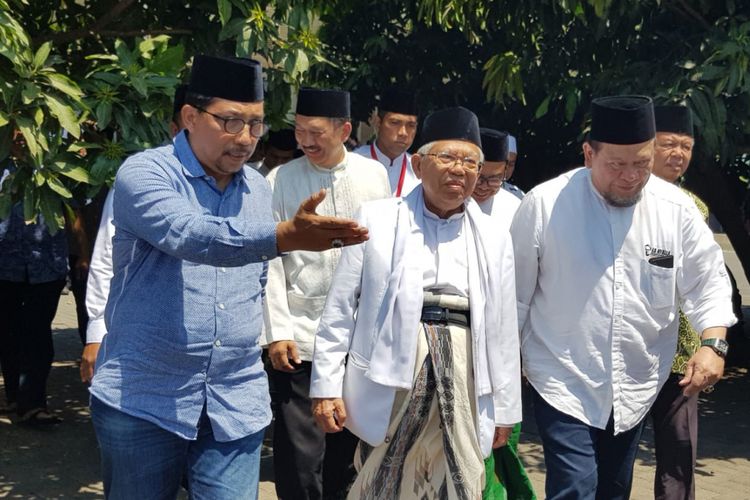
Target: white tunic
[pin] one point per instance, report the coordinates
(298, 282)
(445, 268)
(100, 275)
(393, 168)
(597, 307)
(501, 207)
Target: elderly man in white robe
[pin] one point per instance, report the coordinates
(417, 350)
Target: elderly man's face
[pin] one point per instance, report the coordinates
(619, 172)
(396, 132)
(490, 180)
(672, 155)
(222, 154)
(447, 184)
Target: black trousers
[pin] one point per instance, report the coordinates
(78, 287)
(26, 349)
(308, 463)
(675, 420)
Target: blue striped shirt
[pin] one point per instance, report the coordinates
(184, 311)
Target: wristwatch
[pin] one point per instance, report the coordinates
(720, 346)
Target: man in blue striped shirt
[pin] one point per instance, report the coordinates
(179, 387)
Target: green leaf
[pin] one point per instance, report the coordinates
(169, 62)
(225, 11)
(51, 209)
(543, 108)
(29, 204)
(30, 93)
(42, 54)
(3, 119)
(64, 85)
(58, 187)
(78, 174)
(66, 115)
(103, 112)
(124, 55)
(26, 127)
(139, 84)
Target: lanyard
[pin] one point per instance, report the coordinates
(403, 169)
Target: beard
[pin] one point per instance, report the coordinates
(622, 201)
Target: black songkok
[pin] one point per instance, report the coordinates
(622, 119)
(398, 100)
(328, 103)
(494, 144)
(232, 78)
(675, 119)
(282, 140)
(451, 124)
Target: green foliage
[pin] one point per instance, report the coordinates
(40, 106)
(105, 73)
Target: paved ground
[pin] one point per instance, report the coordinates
(63, 462)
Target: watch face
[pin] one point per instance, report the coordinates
(721, 346)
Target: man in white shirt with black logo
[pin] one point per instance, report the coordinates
(396, 123)
(604, 256)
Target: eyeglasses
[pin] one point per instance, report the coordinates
(449, 159)
(236, 125)
(493, 181)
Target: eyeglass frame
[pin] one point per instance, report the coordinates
(456, 160)
(487, 179)
(225, 120)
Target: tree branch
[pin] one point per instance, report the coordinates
(94, 29)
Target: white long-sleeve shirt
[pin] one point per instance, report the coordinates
(393, 168)
(501, 207)
(598, 296)
(100, 275)
(298, 282)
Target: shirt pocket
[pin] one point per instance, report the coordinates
(658, 285)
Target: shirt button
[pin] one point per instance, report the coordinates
(217, 343)
(222, 306)
(264, 257)
(223, 269)
(387, 439)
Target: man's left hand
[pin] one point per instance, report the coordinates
(329, 413)
(703, 370)
(502, 434)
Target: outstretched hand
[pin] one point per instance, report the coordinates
(310, 231)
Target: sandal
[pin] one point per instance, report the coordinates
(38, 417)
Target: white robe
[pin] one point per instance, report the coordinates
(298, 282)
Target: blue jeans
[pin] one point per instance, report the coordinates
(583, 462)
(141, 460)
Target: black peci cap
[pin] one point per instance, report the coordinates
(398, 100)
(328, 103)
(494, 144)
(451, 124)
(676, 119)
(233, 78)
(622, 119)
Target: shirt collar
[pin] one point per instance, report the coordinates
(457, 216)
(323, 170)
(383, 158)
